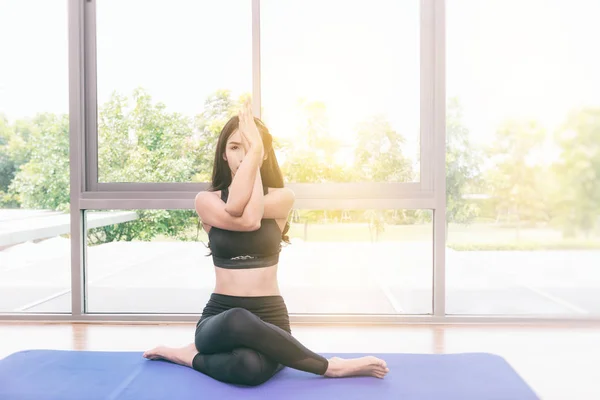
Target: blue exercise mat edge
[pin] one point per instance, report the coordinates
(451, 374)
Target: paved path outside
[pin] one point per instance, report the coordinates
(380, 278)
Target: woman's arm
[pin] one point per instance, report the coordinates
(211, 210)
(275, 205)
(278, 203)
(244, 182)
(255, 208)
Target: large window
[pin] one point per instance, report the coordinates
(341, 88)
(523, 157)
(169, 74)
(338, 262)
(34, 157)
(113, 108)
(345, 97)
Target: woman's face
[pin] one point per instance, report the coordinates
(234, 151)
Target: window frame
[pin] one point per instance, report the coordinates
(306, 193)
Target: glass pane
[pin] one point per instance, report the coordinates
(523, 158)
(35, 260)
(359, 262)
(341, 88)
(169, 75)
(339, 261)
(147, 261)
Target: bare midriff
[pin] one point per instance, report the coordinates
(251, 282)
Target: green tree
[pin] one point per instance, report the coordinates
(148, 225)
(140, 142)
(515, 180)
(18, 138)
(462, 168)
(143, 143)
(378, 154)
(40, 148)
(304, 166)
(148, 144)
(315, 133)
(578, 171)
(310, 156)
(378, 157)
(15, 151)
(219, 107)
(7, 164)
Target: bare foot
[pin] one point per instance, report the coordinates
(178, 355)
(363, 366)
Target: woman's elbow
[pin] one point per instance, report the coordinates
(234, 211)
(246, 222)
(254, 225)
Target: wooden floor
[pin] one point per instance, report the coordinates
(558, 362)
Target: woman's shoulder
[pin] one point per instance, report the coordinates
(283, 197)
(206, 195)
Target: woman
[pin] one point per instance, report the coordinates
(244, 336)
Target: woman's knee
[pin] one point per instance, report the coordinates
(249, 368)
(234, 326)
(238, 320)
(237, 313)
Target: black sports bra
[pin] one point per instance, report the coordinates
(242, 250)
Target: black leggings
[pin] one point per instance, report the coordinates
(238, 347)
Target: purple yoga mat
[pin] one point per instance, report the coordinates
(90, 375)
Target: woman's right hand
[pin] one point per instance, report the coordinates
(249, 130)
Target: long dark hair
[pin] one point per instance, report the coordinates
(270, 172)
